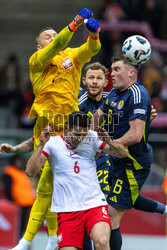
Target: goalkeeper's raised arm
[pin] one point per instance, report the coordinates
(51, 42)
(93, 45)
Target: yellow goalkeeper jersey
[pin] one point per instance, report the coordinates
(55, 75)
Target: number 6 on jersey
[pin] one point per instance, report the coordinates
(76, 168)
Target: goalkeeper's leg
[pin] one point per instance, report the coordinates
(41, 207)
(42, 203)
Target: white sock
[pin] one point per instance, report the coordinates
(23, 244)
(165, 212)
(52, 242)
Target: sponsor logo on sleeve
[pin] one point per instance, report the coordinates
(139, 111)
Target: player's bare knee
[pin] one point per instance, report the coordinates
(114, 224)
(102, 242)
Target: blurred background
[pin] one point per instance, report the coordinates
(20, 22)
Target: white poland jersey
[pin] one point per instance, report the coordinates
(75, 182)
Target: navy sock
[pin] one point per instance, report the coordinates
(160, 208)
(115, 239)
(148, 205)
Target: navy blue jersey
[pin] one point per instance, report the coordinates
(121, 108)
(90, 106)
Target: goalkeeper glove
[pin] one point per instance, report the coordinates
(79, 19)
(93, 28)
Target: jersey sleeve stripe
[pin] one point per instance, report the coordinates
(136, 94)
(83, 96)
(105, 94)
(102, 145)
(83, 100)
(44, 153)
(139, 93)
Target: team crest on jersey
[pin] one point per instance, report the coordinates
(67, 63)
(113, 104)
(59, 238)
(120, 104)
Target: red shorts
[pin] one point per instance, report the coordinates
(71, 225)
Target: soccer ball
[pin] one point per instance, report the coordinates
(136, 49)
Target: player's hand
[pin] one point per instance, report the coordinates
(79, 19)
(103, 135)
(153, 113)
(93, 28)
(6, 148)
(45, 136)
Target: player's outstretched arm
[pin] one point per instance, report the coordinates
(22, 148)
(37, 159)
(112, 147)
(45, 55)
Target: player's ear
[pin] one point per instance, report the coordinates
(38, 47)
(83, 80)
(131, 72)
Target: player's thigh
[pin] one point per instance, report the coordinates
(45, 184)
(40, 124)
(100, 230)
(95, 216)
(115, 216)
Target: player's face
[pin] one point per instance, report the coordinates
(45, 38)
(94, 82)
(120, 73)
(76, 135)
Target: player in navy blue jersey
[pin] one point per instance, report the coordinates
(127, 110)
(90, 99)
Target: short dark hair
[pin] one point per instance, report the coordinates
(46, 28)
(125, 61)
(96, 66)
(78, 118)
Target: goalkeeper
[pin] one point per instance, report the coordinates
(55, 74)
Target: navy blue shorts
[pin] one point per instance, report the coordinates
(102, 174)
(125, 186)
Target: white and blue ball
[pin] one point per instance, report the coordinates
(136, 49)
